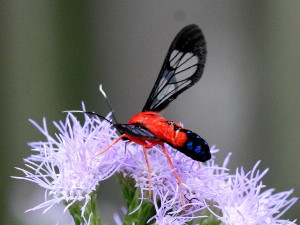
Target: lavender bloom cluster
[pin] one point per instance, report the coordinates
(65, 165)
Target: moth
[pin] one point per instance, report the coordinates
(182, 68)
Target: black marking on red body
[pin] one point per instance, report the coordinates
(175, 127)
(136, 130)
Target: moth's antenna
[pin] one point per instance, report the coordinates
(108, 103)
(92, 113)
(102, 117)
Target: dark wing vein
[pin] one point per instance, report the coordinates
(182, 68)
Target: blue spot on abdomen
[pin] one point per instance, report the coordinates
(198, 149)
(189, 145)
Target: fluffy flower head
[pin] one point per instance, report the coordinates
(66, 166)
(244, 200)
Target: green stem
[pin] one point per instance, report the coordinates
(210, 219)
(128, 188)
(91, 207)
(143, 214)
(132, 196)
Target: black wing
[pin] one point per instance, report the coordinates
(182, 68)
(136, 130)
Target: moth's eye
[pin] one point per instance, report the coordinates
(170, 122)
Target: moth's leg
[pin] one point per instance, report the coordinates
(114, 142)
(148, 167)
(175, 172)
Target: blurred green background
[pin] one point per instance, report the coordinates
(54, 54)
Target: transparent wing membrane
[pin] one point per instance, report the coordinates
(182, 68)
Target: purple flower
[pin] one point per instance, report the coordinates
(65, 164)
(165, 213)
(243, 200)
(201, 182)
(239, 197)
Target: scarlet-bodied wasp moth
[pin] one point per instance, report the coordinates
(182, 68)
